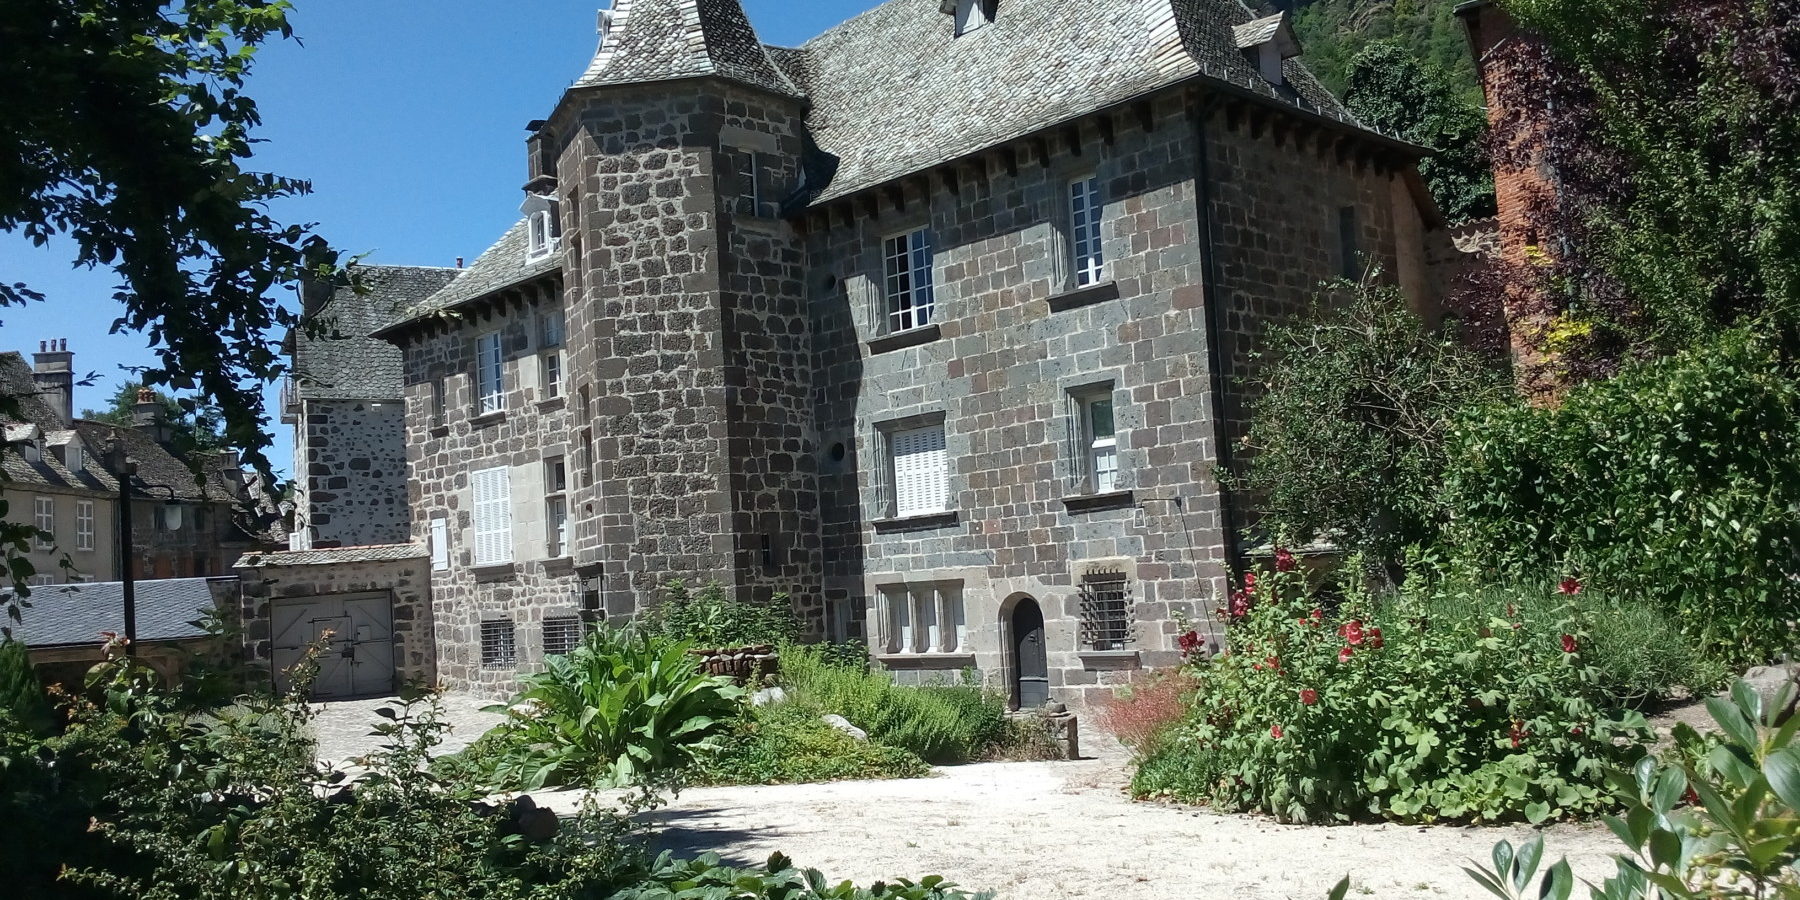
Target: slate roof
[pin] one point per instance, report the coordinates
(345, 362)
(500, 266)
(73, 614)
(1258, 32)
(894, 91)
(48, 470)
(660, 40)
(218, 481)
(334, 556)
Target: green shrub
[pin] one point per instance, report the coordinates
(1678, 481)
(711, 617)
(706, 877)
(788, 743)
(21, 694)
(942, 724)
(624, 705)
(1403, 710)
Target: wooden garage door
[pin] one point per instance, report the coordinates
(356, 632)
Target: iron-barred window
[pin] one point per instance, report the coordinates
(498, 651)
(562, 634)
(1106, 614)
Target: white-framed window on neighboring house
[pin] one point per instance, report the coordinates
(44, 514)
(440, 544)
(73, 459)
(921, 471)
(1088, 262)
(540, 225)
(1098, 466)
(562, 634)
(490, 371)
(556, 526)
(925, 618)
(1106, 611)
(84, 524)
(906, 280)
(499, 650)
(551, 339)
(492, 518)
(41, 580)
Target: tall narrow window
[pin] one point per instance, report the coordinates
(900, 620)
(489, 369)
(551, 339)
(435, 403)
(1102, 446)
(45, 510)
(1347, 246)
(921, 471)
(440, 544)
(492, 489)
(1084, 231)
(556, 507)
(907, 271)
(498, 649)
(84, 524)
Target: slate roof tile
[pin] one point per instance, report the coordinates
(74, 614)
(334, 556)
(660, 40)
(345, 362)
(500, 266)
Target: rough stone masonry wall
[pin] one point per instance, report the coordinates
(531, 429)
(768, 349)
(408, 581)
(1001, 376)
(355, 473)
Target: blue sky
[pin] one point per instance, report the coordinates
(409, 119)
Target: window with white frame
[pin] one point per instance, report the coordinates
(440, 544)
(540, 234)
(973, 14)
(434, 402)
(562, 634)
(84, 524)
(551, 339)
(41, 580)
(490, 394)
(921, 471)
(925, 618)
(1106, 611)
(540, 225)
(1089, 265)
(73, 459)
(44, 509)
(498, 648)
(556, 507)
(906, 270)
(492, 504)
(1098, 439)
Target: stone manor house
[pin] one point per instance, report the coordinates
(936, 325)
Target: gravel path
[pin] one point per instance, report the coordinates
(342, 727)
(1038, 831)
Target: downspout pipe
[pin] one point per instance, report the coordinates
(1211, 296)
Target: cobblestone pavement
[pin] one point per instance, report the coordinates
(343, 727)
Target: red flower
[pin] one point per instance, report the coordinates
(1308, 696)
(1691, 797)
(1318, 616)
(1352, 632)
(1188, 642)
(1375, 641)
(1239, 606)
(1518, 733)
(1249, 582)
(1274, 663)
(1284, 561)
(1568, 643)
(1275, 732)
(1345, 654)
(1569, 586)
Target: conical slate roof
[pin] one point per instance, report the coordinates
(662, 40)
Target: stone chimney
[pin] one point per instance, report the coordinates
(53, 368)
(148, 416)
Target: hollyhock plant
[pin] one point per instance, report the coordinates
(1569, 586)
(1352, 632)
(1275, 732)
(1308, 696)
(1189, 642)
(1375, 639)
(1345, 654)
(1568, 643)
(1284, 560)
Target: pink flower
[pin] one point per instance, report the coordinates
(1249, 582)
(1308, 696)
(1345, 654)
(1568, 643)
(1375, 641)
(1569, 586)
(1239, 606)
(1518, 733)
(1188, 642)
(1284, 561)
(1352, 632)
(1318, 616)
(1275, 732)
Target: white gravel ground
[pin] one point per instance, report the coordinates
(1043, 831)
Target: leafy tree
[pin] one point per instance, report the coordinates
(1671, 128)
(1335, 31)
(193, 423)
(1348, 438)
(128, 132)
(22, 696)
(1389, 88)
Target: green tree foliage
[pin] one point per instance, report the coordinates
(1676, 480)
(1347, 439)
(713, 618)
(21, 694)
(1389, 88)
(128, 133)
(1333, 32)
(193, 425)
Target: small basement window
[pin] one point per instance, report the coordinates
(498, 650)
(562, 634)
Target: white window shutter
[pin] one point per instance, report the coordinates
(492, 490)
(920, 471)
(440, 544)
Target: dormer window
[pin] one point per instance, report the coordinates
(1268, 42)
(970, 14)
(541, 230)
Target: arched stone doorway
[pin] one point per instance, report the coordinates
(1028, 656)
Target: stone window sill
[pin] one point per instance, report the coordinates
(900, 340)
(438, 431)
(552, 404)
(486, 419)
(916, 523)
(1080, 503)
(495, 572)
(1084, 296)
(559, 565)
(952, 660)
(1108, 659)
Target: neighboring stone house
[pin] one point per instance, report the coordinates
(938, 325)
(55, 478)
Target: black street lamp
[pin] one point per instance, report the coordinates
(125, 469)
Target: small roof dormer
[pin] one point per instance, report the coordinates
(542, 228)
(1268, 42)
(970, 14)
